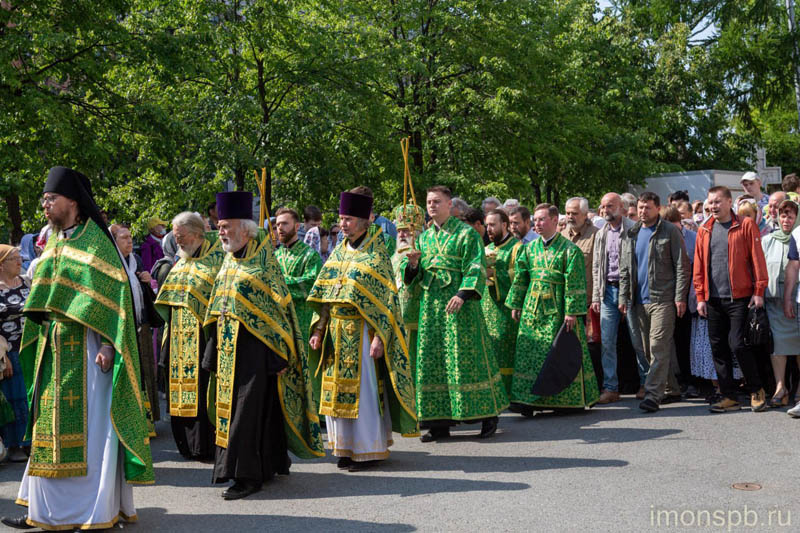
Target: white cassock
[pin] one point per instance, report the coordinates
(100, 498)
(369, 436)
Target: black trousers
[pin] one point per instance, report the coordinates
(727, 325)
(683, 340)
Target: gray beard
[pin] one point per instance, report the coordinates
(187, 253)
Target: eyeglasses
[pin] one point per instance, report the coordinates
(49, 198)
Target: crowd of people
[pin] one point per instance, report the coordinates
(290, 337)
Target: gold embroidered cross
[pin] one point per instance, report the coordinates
(71, 398)
(46, 397)
(349, 361)
(71, 344)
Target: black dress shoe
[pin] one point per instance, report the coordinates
(671, 398)
(435, 434)
(344, 462)
(240, 490)
(19, 522)
(521, 408)
(649, 405)
(360, 466)
(488, 428)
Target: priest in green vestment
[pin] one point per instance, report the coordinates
(81, 363)
(359, 344)
(458, 379)
(262, 403)
(409, 220)
(549, 290)
(300, 265)
(182, 302)
(501, 255)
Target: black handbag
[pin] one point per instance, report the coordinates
(759, 334)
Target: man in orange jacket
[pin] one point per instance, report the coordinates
(730, 276)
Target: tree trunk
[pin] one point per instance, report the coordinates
(557, 197)
(239, 176)
(795, 55)
(416, 152)
(14, 214)
(537, 190)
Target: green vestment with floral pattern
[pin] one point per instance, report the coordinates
(549, 283)
(182, 302)
(249, 292)
(408, 297)
(300, 265)
(358, 287)
(501, 327)
(457, 373)
(80, 284)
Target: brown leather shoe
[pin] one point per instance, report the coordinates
(758, 401)
(725, 405)
(640, 394)
(608, 396)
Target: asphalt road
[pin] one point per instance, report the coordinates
(608, 469)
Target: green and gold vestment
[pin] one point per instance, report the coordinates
(409, 297)
(80, 284)
(358, 286)
(300, 265)
(549, 283)
(501, 327)
(249, 292)
(182, 303)
(457, 373)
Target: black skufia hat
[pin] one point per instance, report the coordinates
(76, 186)
(561, 365)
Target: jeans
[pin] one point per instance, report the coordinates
(609, 325)
(727, 325)
(656, 327)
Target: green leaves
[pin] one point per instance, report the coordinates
(164, 102)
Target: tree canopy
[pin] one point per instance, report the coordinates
(162, 103)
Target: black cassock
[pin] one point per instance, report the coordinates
(257, 447)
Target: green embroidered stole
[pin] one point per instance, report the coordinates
(250, 292)
(80, 283)
(182, 303)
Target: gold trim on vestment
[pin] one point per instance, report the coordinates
(467, 387)
(283, 301)
(84, 527)
(128, 362)
(190, 269)
(92, 260)
(287, 338)
(400, 338)
(365, 269)
(224, 409)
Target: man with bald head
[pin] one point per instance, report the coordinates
(605, 295)
(775, 200)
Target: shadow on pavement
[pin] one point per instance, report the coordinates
(403, 461)
(159, 519)
(312, 485)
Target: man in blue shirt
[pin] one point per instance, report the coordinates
(654, 283)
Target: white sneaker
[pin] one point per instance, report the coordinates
(3, 451)
(794, 412)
